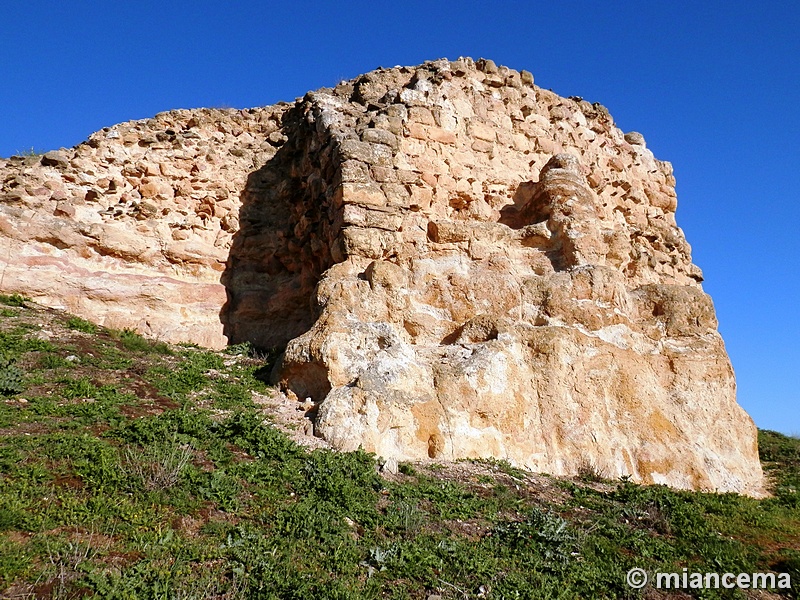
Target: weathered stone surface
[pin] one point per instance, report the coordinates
(457, 263)
(133, 227)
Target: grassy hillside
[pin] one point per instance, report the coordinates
(134, 469)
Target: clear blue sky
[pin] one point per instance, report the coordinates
(713, 86)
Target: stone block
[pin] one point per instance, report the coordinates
(481, 131)
(363, 193)
(372, 154)
(380, 136)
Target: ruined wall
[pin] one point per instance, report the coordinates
(457, 262)
(133, 227)
(511, 282)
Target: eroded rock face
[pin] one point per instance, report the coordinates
(457, 262)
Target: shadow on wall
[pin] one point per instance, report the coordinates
(283, 243)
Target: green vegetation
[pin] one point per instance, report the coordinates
(132, 469)
(11, 378)
(13, 300)
(78, 324)
(130, 340)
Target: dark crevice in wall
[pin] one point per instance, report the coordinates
(282, 248)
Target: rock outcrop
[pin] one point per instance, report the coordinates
(457, 262)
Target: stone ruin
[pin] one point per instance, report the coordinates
(454, 262)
